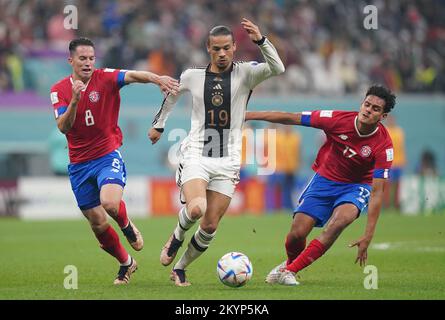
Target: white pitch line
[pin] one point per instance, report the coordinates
(406, 246)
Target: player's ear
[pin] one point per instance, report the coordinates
(384, 116)
(70, 60)
(234, 46)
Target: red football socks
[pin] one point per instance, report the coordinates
(109, 241)
(293, 248)
(122, 218)
(314, 251)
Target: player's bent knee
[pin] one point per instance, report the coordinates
(197, 207)
(297, 235)
(111, 207)
(195, 212)
(335, 227)
(340, 222)
(99, 227)
(209, 228)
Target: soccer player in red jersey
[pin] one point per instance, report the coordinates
(350, 171)
(86, 107)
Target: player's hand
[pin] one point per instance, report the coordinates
(252, 30)
(154, 135)
(362, 245)
(77, 87)
(168, 85)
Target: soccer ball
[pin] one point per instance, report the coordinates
(234, 269)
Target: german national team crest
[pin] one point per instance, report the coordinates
(217, 99)
(94, 96)
(365, 151)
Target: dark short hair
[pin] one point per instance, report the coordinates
(220, 31)
(79, 42)
(383, 93)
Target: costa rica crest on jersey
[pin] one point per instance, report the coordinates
(94, 96)
(365, 151)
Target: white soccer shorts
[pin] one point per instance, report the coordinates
(222, 174)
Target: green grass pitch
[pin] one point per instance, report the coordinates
(410, 259)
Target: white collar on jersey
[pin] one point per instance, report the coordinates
(363, 135)
(86, 86)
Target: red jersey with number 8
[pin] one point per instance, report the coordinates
(95, 132)
(348, 156)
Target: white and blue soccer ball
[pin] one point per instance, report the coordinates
(234, 269)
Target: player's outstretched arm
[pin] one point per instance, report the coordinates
(252, 30)
(165, 83)
(273, 66)
(158, 124)
(154, 135)
(375, 204)
(291, 118)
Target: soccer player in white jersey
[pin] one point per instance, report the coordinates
(211, 154)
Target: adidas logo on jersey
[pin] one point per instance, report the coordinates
(343, 137)
(217, 87)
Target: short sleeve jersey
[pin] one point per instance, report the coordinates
(95, 131)
(348, 156)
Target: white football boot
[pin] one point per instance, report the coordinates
(281, 275)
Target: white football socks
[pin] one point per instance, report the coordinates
(184, 224)
(196, 247)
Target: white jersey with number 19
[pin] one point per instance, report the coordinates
(219, 102)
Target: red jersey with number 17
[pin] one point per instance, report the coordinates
(95, 132)
(348, 156)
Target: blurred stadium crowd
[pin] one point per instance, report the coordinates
(323, 43)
